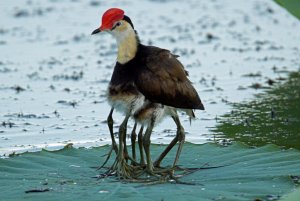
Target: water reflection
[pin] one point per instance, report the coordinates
(273, 117)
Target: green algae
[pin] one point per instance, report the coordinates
(273, 117)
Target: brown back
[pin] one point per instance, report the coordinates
(161, 78)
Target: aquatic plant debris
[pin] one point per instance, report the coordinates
(293, 6)
(272, 117)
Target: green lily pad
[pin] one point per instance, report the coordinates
(244, 174)
(294, 196)
(293, 6)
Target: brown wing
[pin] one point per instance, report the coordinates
(162, 79)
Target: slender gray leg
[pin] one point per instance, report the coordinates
(122, 132)
(124, 144)
(110, 123)
(114, 147)
(120, 157)
(133, 139)
(181, 139)
(141, 147)
(146, 144)
(180, 136)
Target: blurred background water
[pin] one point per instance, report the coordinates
(54, 74)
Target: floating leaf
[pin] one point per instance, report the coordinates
(67, 174)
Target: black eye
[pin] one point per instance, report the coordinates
(116, 25)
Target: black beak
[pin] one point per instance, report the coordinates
(96, 31)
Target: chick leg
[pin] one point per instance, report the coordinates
(123, 169)
(180, 136)
(114, 147)
(110, 123)
(133, 139)
(140, 141)
(126, 155)
(146, 144)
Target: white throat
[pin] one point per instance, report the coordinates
(127, 44)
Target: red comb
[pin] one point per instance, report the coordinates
(110, 17)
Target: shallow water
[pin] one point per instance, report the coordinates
(53, 73)
(273, 117)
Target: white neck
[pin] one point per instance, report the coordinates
(127, 44)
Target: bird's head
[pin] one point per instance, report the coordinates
(114, 21)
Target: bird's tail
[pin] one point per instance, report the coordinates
(190, 113)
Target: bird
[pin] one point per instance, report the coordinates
(147, 84)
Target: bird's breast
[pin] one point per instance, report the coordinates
(150, 112)
(125, 98)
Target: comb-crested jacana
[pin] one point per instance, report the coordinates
(147, 83)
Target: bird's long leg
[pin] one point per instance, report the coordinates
(133, 139)
(141, 147)
(110, 123)
(114, 147)
(180, 136)
(122, 169)
(146, 144)
(125, 144)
